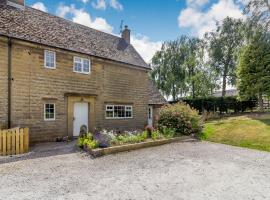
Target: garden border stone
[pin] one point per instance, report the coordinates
(128, 147)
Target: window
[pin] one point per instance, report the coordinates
(81, 65)
(129, 111)
(49, 59)
(49, 111)
(118, 112)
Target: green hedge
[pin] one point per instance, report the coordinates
(219, 104)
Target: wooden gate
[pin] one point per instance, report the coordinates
(14, 141)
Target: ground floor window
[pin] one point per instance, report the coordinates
(118, 112)
(49, 111)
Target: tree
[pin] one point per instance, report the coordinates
(200, 78)
(168, 68)
(259, 11)
(178, 69)
(254, 71)
(223, 47)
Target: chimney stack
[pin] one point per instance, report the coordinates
(126, 34)
(16, 3)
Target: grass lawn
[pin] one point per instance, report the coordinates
(251, 131)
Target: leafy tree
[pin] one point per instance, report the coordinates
(223, 47)
(168, 68)
(254, 71)
(178, 69)
(259, 11)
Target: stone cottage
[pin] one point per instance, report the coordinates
(56, 75)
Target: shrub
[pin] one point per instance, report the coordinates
(102, 139)
(168, 132)
(180, 118)
(87, 140)
(149, 130)
(214, 104)
(92, 144)
(156, 134)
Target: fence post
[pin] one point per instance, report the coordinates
(9, 142)
(21, 140)
(26, 140)
(13, 142)
(4, 133)
(17, 141)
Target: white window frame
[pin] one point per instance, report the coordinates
(125, 117)
(49, 67)
(50, 119)
(82, 60)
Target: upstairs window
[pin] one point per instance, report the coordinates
(49, 111)
(118, 112)
(81, 65)
(49, 59)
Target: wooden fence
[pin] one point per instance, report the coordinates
(14, 141)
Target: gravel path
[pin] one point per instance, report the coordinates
(191, 170)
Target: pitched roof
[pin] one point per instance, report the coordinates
(40, 27)
(155, 96)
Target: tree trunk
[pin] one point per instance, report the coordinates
(193, 90)
(260, 102)
(173, 93)
(224, 86)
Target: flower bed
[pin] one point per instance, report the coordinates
(107, 142)
(175, 121)
(97, 152)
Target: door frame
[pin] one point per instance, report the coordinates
(71, 100)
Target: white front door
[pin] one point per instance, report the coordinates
(80, 117)
(150, 115)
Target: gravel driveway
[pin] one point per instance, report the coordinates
(191, 170)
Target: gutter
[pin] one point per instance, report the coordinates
(9, 81)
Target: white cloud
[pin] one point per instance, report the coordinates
(200, 21)
(100, 4)
(116, 5)
(195, 3)
(40, 6)
(83, 17)
(145, 46)
(63, 10)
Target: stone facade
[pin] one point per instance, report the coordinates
(33, 85)
(3, 82)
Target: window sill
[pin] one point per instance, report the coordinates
(49, 67)
(123, 118)
(85, 73)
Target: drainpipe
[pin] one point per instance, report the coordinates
(9, 81)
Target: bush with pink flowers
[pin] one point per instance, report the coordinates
(180, 117)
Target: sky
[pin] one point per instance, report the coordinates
(151, 21)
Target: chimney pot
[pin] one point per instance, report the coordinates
(126, 34)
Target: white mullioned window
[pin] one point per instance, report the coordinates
(81, 65)
(118, 112)
(49, 111)
(49, 59)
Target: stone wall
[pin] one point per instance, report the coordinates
(3, 82)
